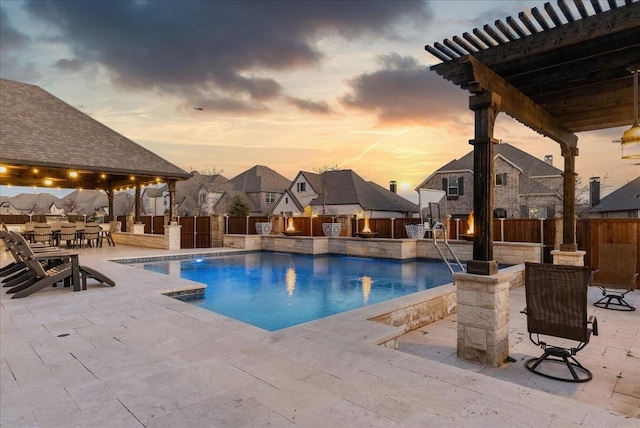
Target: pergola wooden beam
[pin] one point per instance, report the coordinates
(513, 102)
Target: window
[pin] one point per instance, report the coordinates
(270, 197)
(453, 186)
(501, 179)
(302, 187)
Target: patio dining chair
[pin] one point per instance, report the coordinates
(616, 275)
(68, 235)
(42, 233)
(556, 299)
(90, 234)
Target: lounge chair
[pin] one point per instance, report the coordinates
(44, 277)
(16, 272)
(556, 299)
(616, 275)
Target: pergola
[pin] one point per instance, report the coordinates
(47, 143)
(557, 72)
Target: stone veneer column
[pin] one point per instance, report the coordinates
(570, 258)
(483, 317)
(173, 233)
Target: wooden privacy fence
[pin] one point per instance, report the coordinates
(590, 233)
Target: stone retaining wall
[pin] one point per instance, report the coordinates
(145, 240)
(511, 253)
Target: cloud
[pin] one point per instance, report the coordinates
(11, 42)
(10, 37)
(403, 91)
(318, 107)
(230, 46)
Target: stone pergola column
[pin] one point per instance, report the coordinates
(483, 293)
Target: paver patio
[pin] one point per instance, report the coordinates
(128, 356)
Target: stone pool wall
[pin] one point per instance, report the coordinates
(511, 253)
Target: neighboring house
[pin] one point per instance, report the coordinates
(33, 203)
(524, 186)
(341, 192)
(6, 207)
(56, 208)
(155, 200)
(84, 202)
(622, 203)
(260, 186)
(197, 195)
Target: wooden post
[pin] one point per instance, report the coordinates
(486, 106)
(138, 203)
(110, 192)
(172, 200)
(569, 199)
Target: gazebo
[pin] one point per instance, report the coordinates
(47, 143)
(566, 72)
(558, 76)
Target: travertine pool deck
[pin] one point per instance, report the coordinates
(131, 357)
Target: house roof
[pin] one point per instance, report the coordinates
(85, 201)
(26, 201)
(257, 179)
(187, 190)
(528, 164)
(345, 187)
(312, 178)
(58, 138)
(155, 192)
(625, 198)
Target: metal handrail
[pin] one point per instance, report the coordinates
(439, 225)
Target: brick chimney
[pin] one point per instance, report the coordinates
(594, 191)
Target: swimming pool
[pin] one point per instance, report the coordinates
(275, 290)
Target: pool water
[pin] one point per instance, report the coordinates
(275, 290)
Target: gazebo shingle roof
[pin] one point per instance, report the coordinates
(38, 129)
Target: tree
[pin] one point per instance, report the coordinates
(239, 207)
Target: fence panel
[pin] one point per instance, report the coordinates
(157, 224)
(123, 222)
(146, 220)
(592, 232)
(186, 232)
(203, 232)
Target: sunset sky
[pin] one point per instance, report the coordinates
(290, 85)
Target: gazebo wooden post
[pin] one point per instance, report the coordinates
(172, 199)
(569, 199)
(486, 106)
(138, 203)
(110, 191)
